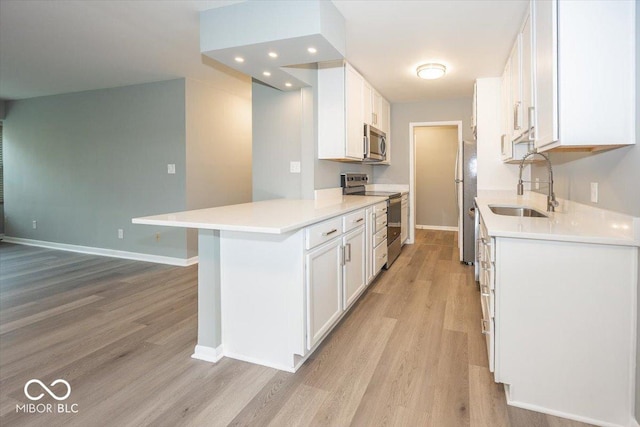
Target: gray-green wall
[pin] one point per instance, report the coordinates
(284, 130)
(424, 111)
(83, 164)
(435, 193)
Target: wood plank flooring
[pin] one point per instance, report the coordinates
(410, 353)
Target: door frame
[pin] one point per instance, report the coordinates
(412, 173)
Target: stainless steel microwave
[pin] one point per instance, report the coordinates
(375, 144)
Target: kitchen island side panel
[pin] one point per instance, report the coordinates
(262, 294)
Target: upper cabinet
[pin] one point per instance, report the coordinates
(584, 74)
(346, 102)
(376, 109)
(340, 110)
(517, 97)
(569, 83)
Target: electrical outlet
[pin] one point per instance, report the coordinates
(171, 168)
(537, 183)
(294, 167)
(157, 237)
(34, 224)
(120, 233)
(594, 192)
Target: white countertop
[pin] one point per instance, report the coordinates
(269, 216)
(572, 222)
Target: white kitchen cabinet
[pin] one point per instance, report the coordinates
(379, 249)
(404, 223)
(324, 289)
(584, 78)
(340, 113)
(346, 102)
(354, 260)
(560, 334)
(336, 270)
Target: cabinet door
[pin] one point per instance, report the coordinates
(324, 289)
(385, 117)
(507, 117)
(355, 275)
(367, 103)
(516, 94)
(354, 114)
(377, 109)
(526, 73)
(369, 242)
(546, 71)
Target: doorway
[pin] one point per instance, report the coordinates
(434, 149)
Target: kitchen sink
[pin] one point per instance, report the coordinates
(517, 211)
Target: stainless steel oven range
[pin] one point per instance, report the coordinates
(354, 184)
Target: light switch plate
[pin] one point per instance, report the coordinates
(171, 168)
(594, 192)
(294, 167)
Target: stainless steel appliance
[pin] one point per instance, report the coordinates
(375, 144)
(354, 184)
(466, 172)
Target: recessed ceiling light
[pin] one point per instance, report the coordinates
(266, 73)
(431, 71)
(312, 50)
(273, 54)
(239, 59)
(287, 84)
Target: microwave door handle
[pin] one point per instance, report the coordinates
(366, 147)
(383, 146)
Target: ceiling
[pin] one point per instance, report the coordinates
(53, 46)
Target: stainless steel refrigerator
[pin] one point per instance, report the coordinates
(466, 173)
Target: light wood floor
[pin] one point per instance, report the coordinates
(121, 332)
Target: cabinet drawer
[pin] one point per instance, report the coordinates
(381, 222)
(380, 208)
(379, 237)
(489, 294)
(380, 256)
(323, 232)
(353, 220)
(487, 327)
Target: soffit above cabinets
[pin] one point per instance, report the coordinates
(253, 29)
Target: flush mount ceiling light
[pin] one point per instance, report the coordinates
(266, 73)
(287, 84)
(273, 54)
(239, 59)
(431, 71)
(312, 50)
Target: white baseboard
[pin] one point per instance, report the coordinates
(208, 354)
(262, 362)
(158, 259)
(436, 227)
(555, 413)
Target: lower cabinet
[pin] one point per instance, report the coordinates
(559, 322)
(324, 293)
(355, 277)
(336, 271)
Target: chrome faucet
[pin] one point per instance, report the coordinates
(552, 203)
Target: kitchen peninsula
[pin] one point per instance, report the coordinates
(275, 276)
